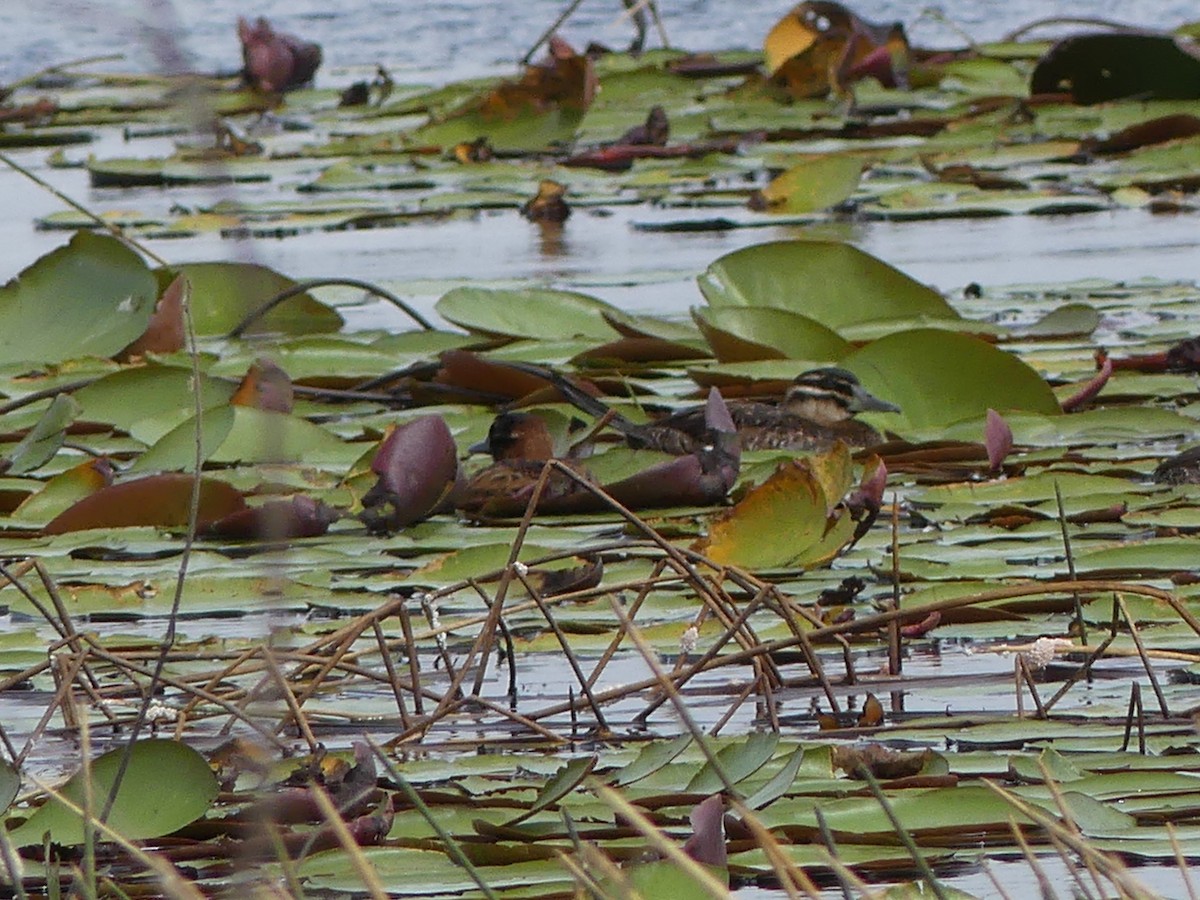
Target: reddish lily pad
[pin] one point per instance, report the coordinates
(160, 500)
(417, 465)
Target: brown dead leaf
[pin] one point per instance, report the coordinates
(265, 386)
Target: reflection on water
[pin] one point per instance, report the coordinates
(552, 242)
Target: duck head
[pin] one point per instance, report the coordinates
(831, 395)
(517, 436)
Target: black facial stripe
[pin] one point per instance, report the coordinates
(820, 393)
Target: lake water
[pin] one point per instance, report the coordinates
(438, 40)
(451, 38)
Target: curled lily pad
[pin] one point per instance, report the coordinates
(746, 333)
(833, 283)
(417, 465)
(790, 520)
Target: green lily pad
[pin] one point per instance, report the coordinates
(96, 293)
(134, 395)
(545, 313)
(245, 434)
(817, 183)
(166, 785)
(223, 293)
(938, 377)
(45, 438)
(833, 283)
(746, 333)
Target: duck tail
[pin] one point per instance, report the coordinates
(579, 398)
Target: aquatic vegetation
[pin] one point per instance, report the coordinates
(892, 662)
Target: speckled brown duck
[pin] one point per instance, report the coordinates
(817, 410)
(1182, 468)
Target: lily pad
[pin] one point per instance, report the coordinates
(746, 333)
(545, 313)
(813, 185)
(834, 283)
(938, 377)
(98, 294)
(246, 434)
(147, 804)
(223, 293)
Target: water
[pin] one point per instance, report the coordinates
(444, 39)
(439, 40)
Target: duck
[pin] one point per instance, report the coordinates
(817, 410)
(520, 445)
(1182, 468)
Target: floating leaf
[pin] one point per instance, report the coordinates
(746, 333)
(541, 109)
(653, 757)
(1069, 320)
(134, 396)
(814, 185)
(165, 331)
(91, 297)
(44, 439)
(166, 785)
(64, 489)
(545, 313)
(160, 500)
(224, 293)
(417, 465)
(938, 377)
(786, 521)
(244, 434)
(833, 283)
(739, 761)
(277, 520)
(566, 780)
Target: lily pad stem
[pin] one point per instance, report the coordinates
(304, 286)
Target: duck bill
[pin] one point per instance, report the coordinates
(865, 401)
